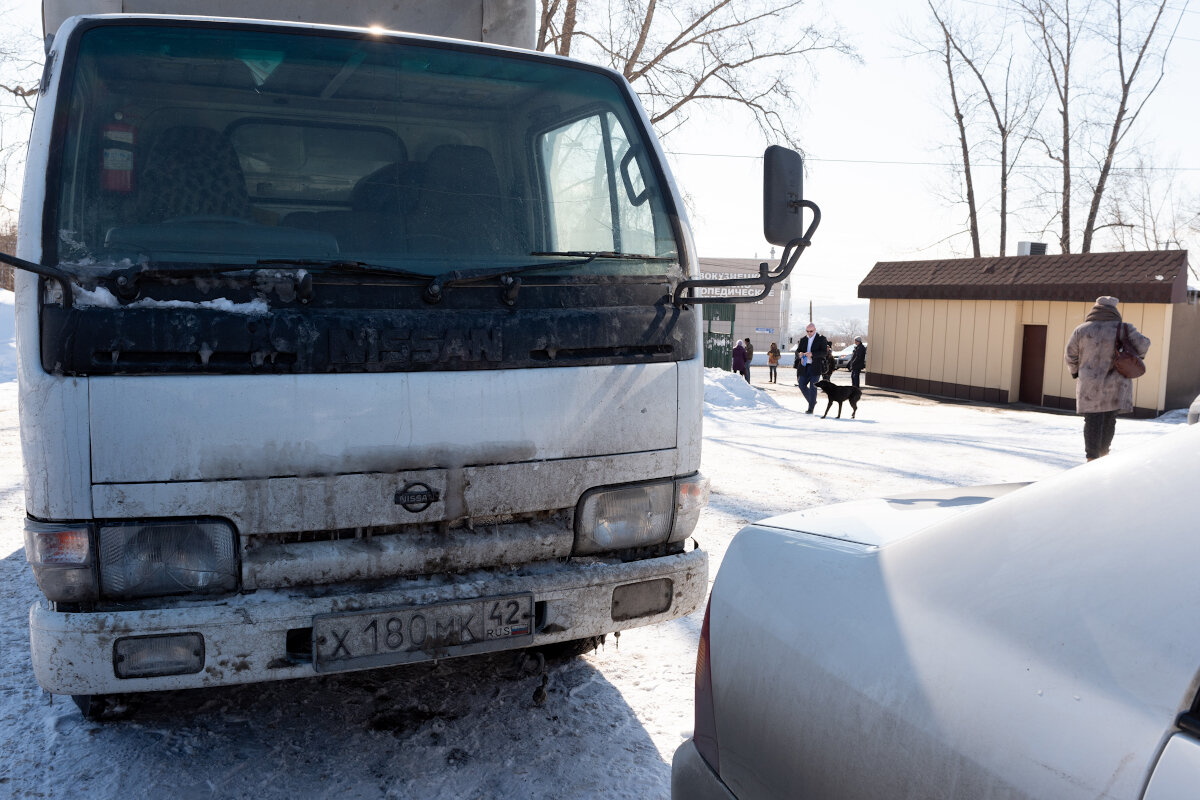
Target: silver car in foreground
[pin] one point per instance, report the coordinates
(1036, 641)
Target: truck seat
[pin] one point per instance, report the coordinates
(192, 172)
(379, 204)
(458, 207)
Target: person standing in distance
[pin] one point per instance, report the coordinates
(749, 358)
(1101, 392)
(773, 363)
(811, 353)
(858, 361)
(739, 359)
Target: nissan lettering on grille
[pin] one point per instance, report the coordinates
(416, 497)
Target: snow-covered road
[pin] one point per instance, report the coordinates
(471, 728)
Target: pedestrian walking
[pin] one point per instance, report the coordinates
(858, 361)
(773, 363)
(811, 352)
(749, 358)
(1100, 391)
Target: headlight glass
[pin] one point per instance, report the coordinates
(169, 557)
(621, 518)
(61, 557)
(691, 496)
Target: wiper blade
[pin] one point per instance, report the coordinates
(339, 265)
(125, 281)
(507, 276)
(604, 254)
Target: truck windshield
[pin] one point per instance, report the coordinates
(187, 144)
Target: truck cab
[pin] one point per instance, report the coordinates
(343, 348)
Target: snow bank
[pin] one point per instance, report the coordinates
(729, 390)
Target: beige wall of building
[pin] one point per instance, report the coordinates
(763, 321)
(972, 349)
(1183, 366)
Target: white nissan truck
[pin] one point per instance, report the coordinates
(341, 347)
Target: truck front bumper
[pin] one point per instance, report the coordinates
(253, 637)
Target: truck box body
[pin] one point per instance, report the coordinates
(368, 355)
(506, 22)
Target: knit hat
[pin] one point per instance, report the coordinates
(1107, 300)
(858, 338)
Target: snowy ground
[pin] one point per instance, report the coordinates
(470, 728)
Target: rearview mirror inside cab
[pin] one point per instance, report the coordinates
(783, 191)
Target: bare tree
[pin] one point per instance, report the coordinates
(679, 52)
(1058, 30)
(1132, 57)
(1142, 210)
(1011, 98)
(20, 63)
(555, 32)
(842, 333)
(1053, 26)
(972, 211)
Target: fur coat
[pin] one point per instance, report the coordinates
(1089, 356)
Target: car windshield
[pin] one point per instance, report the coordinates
(184, 143)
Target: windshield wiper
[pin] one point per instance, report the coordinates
(61, 275)
(340, 265)
(604, 254)
(125, 281)
(509, 281)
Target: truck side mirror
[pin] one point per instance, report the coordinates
(783, 224)
(783, 195)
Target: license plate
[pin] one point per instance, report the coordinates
(381, 637)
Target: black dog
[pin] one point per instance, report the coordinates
(840, 394)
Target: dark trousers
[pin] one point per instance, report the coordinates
(772, 376)
(854, 374)
(809, 375)
(1098, 430)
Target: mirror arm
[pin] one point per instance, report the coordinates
(63, 277)
(766, 278)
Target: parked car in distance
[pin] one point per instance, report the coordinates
(1035, 641)
(842, 357)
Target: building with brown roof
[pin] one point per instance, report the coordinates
(995, 329)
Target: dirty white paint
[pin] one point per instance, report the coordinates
(245, 636)
(1038, 645)
(339, 502)
(215, 427)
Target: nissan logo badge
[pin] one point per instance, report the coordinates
(416, 497)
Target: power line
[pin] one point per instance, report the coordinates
(888, 162)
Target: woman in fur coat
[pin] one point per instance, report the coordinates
(1101, 392)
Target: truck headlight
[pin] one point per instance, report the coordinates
(145, 559)
(691, 496)
(61, 554)
(623, 517)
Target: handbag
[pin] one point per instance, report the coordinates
(1125, 360)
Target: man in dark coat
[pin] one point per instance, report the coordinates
(811, 352)
(858, 361)
(1101, 392)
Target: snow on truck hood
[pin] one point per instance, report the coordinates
(884, 520)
